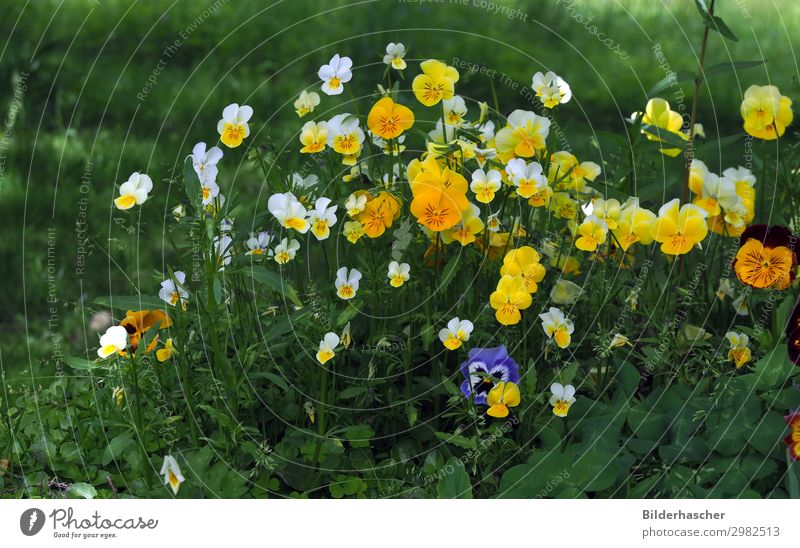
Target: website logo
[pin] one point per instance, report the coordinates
(31, 522)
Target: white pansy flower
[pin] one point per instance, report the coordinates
(395, 54)
(398, 273)
(173, 293)
(335, 74)
(322, 218)
(286, 250)
(355, 204)
(344, 134)
(551, 89)
(562, 398)
(233, 127)
(557, 327)
(455, 111)
(112, 341)
(289, 212)
(258, 244)
(528, 179)
(456, 333)
(134, 191)
(347, 282)
(172, 473)
(485, 184)
(205, 161)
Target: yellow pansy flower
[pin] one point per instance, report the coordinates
(591, 233)
(436, 82)
(524, 262)
(502, 396)
(509, 298)
(679, 228)
(163, 354)
(313, 136)
(658, 114)
(766, 112)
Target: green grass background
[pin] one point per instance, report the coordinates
(83, 63)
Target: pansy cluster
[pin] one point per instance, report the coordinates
(484, 184)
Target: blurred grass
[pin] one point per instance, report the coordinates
(85, 62)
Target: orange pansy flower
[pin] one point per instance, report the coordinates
(766, 257)
(388, 119)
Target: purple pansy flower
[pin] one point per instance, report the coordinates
(484, 368)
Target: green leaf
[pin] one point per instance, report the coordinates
(273, 378)
(411, 414)
(718, 144)
(667, 137)
(448, 273)
(81, 363)
(351, 392)
(454, 483)
(671, 79)
(82, 491)
(359, 435)
(774, 369)
(792, 482)
(713, 22)
(458, 440)
(722, 68)
(628, 377)
(116, 447)
(274, 281)
(130, 302)
(285, 325)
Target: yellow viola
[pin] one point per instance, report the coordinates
(163, 354)
(739, 352)
(658, 114)
(314, 137)
(563, 206)
(766, 112)
(436, 82)
(567, 173)
(524, 262)
(466, 230)
(523, 135)
(679, 228)
(591, 233)
(233, 127)
(326, 348)
(633, 225)
(509, 298)
(502, 396)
